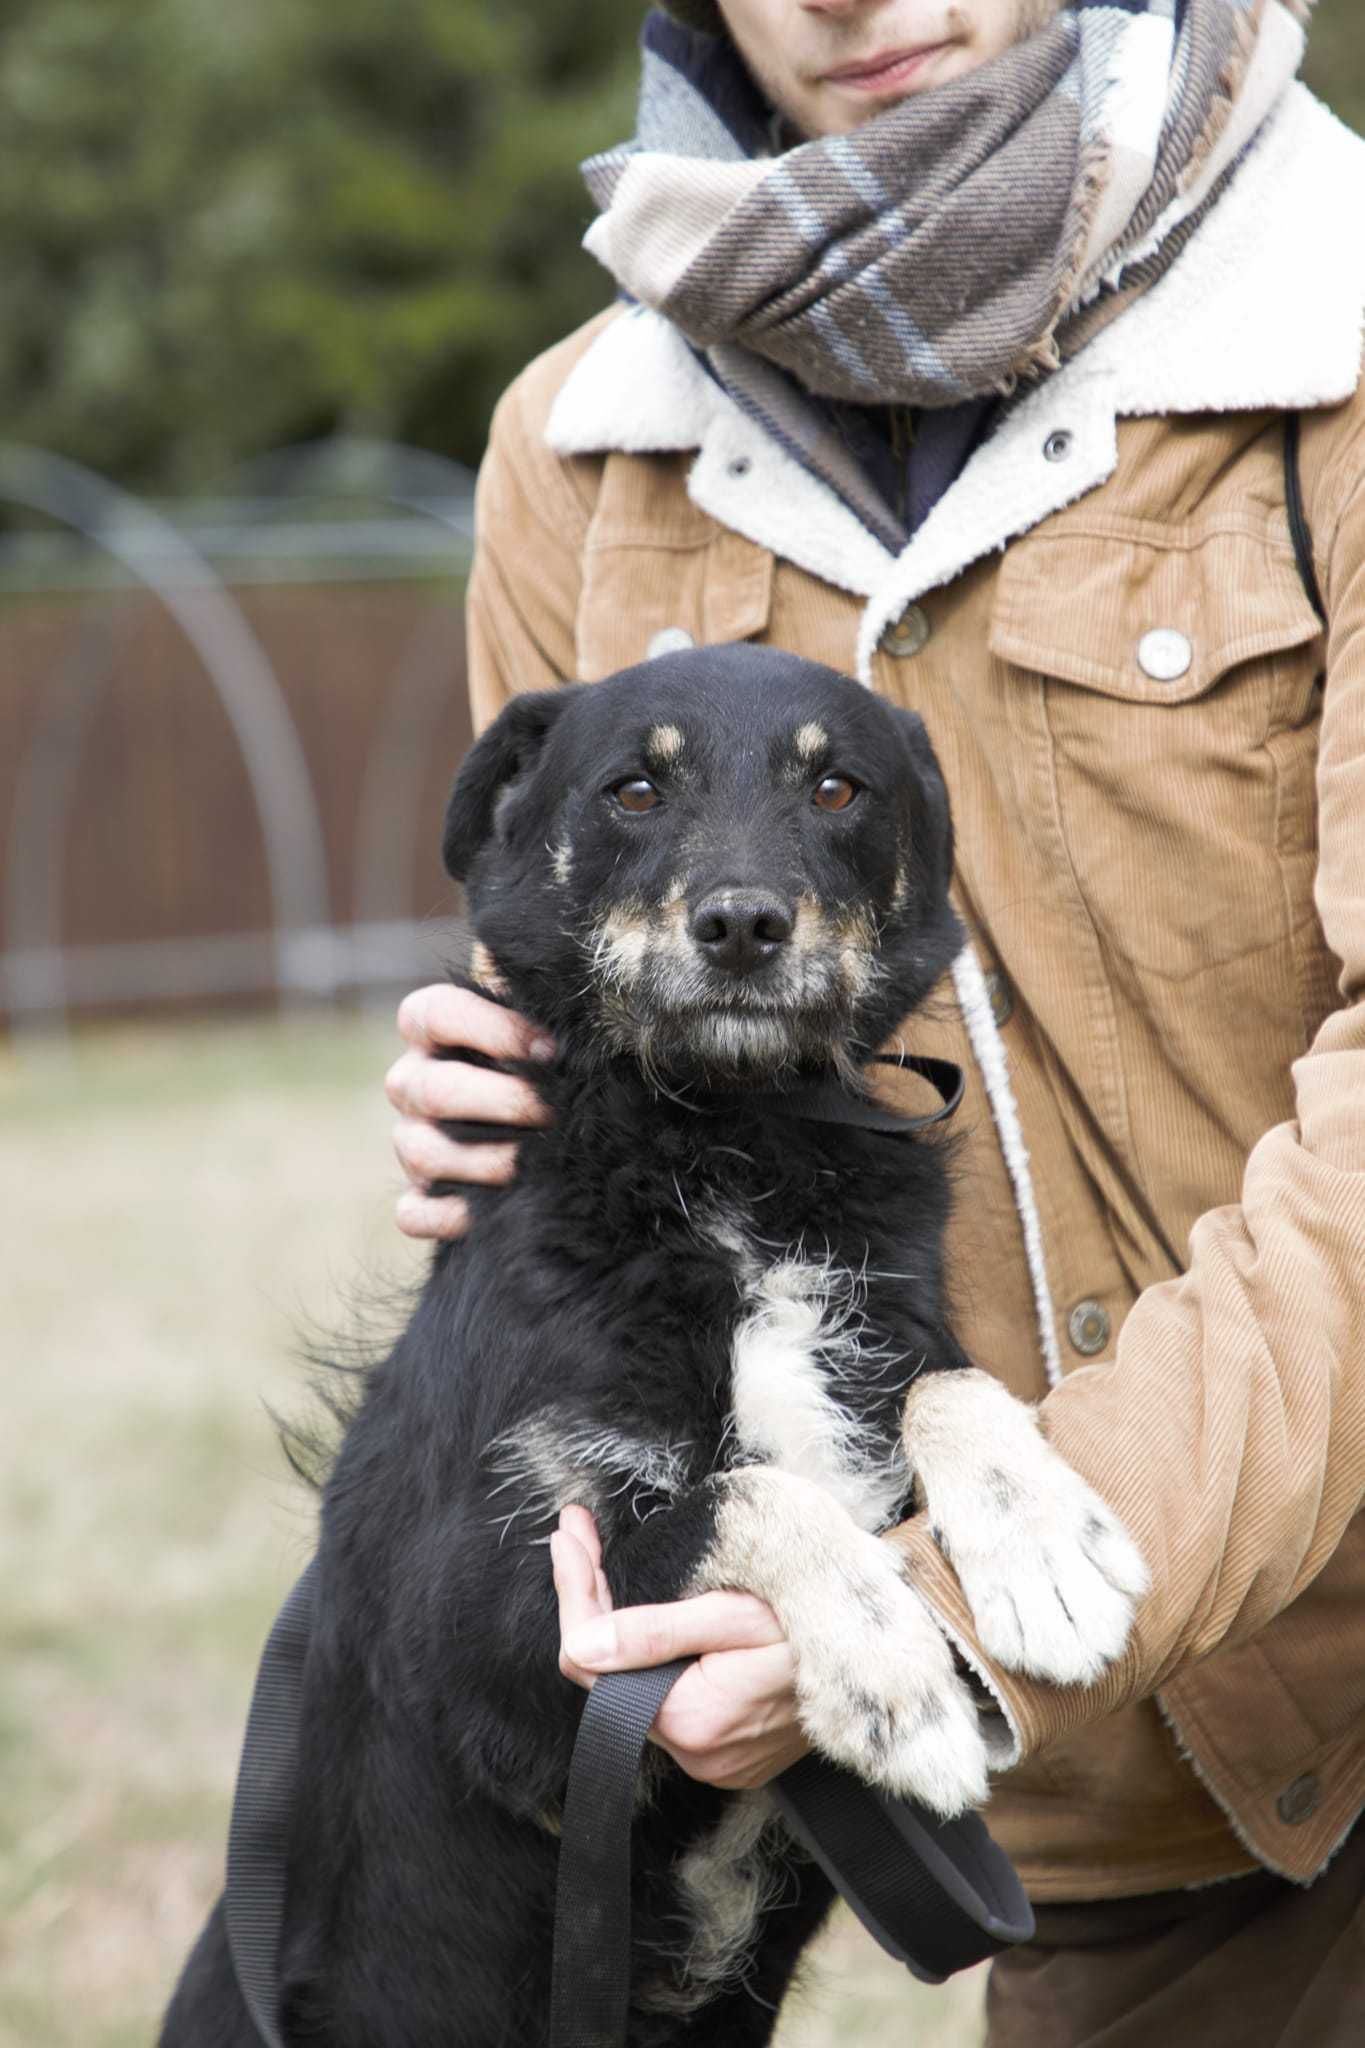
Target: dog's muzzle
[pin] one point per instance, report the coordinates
(742, 983)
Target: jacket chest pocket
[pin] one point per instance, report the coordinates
(654, 564)
(1168, 726)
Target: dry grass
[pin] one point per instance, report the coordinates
(179, 1206)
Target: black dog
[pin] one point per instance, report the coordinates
(718, 1323)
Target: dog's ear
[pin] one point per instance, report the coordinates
(934, 835)
(492, 767)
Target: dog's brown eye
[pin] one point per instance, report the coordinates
(835, 793)
(638, 794)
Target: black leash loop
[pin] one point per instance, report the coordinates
(828, 1101)
(944, 1076)
(938, 1895)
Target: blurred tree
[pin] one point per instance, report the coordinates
(227, 226)
(1336, 58)
(232, 223)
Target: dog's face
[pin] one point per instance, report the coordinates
(725, 864)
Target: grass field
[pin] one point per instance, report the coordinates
(180, 1207)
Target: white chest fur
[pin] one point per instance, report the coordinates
(803, 1339)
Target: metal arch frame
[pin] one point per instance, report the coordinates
(395, 472)
(159, 558)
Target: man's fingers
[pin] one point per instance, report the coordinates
(636, 1637)
(426, 1154)
(442, 1015)
(731, 1714)
(452, 1091)
(427, 1091)
(575, 1583)
(578, 1523)
(581, 1587)
(431, 1216)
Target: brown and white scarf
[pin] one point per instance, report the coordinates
(967, 238)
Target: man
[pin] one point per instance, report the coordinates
(965, 349)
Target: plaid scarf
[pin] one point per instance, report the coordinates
(966, 239)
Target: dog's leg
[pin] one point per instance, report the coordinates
(1049, 1571)
(875, 1678)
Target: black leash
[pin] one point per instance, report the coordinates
(827, 1101)
(590, 1985)
(938, 1895)
(262, 1812)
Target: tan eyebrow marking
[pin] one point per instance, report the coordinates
(810, 740)
(664, 743)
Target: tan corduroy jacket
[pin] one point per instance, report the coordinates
(1157, 765)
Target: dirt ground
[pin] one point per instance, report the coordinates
(180, 1207)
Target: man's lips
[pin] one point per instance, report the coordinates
(886, 72)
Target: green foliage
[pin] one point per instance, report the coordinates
(230, 224)
(1336, 58)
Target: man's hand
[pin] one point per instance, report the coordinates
(427, 1090)
(731, 1720)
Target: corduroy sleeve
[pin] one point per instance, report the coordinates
(1229, 1432)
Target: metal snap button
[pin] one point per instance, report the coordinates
(670, 640)
(1299, 1801)
(907, 634)
(740, 466)
(1059, 445)
(1001, 997)
(1165, 654)
(1088, 1327)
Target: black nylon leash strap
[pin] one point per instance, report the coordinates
(258, 1836)
(938, 1895)
(825, 1101)
(590, 1986)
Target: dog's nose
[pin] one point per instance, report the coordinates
(738, 929)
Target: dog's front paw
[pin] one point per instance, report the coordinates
(1050, 1574)
(878, 1690)
(875, 1680)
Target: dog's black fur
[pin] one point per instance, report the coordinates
(696, 946)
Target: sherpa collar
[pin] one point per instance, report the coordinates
(1262, 312)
